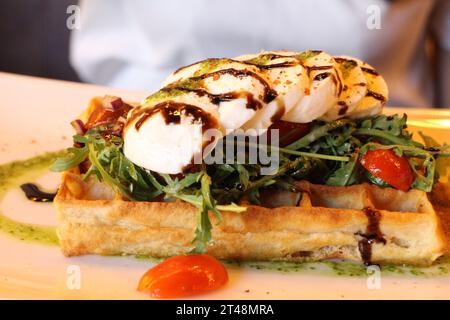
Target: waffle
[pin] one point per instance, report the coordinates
(361, 223)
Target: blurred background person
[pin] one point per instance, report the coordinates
(137, 44)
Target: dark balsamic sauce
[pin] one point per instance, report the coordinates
(281, 109)
(338, 83)
(376, 95)
(252, 103)
(343, 109)
(351, 62)
(370, 71)
(322, 76)
(269, 93)
(314, 68)
(172, 111)
(33, 193)
(285, 64)
(372, 235)
(334, 77)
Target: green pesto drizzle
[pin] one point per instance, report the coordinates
(265, 58)
(164, 95)
(262, 59)
(174, 90)
(305, 55)
(346, 66)
(12, 175)
(441, 267)
(210, 65)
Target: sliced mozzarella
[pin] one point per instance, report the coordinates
(322, 92)
(181, 96)
(242, 96)
(240, 90)
(376, 96)
(206, 66)
(167, 137)
(289, 79)
(353, 91)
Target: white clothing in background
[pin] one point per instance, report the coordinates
(138, 43)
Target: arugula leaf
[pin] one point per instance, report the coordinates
(392, 124)
(443, 160)
(345, 175)
(208, 200)
(175, 186)
(244, 176)
(105, 175)
(75, 157)
(377, 181)
(203, 231)
(222, 172)
(386, 136)
(317, 133)
(425, 181)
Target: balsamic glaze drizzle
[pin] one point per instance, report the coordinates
(372, 235)
(281, 109)
(285, 64)
(172, 111)
(33, 193)
(269, 93)
(314, 68)
(351, 62)
(252, 103)
(343, 109)
(376, 95)
(322, 76)
(370, 71)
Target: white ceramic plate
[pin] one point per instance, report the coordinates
(34, 118)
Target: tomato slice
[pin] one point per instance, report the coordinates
(386, 165)
(99, 115)
(289, 131)
(183, 276)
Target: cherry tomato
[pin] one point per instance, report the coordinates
(289, 131)
(183, 276)
(386, 165)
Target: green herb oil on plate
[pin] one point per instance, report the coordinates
(12, 175)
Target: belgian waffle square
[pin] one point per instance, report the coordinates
(361, 223)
